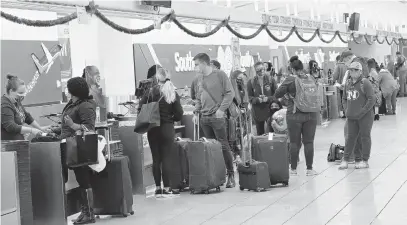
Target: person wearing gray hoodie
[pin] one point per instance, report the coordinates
(358, 101)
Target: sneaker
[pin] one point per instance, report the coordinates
(293, 172)
(363, 165)
(351, 162)
(230, 183)
(343, 165)
(311, 172)
(174, 192)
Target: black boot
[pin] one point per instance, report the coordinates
(376, 117)
(230, 183)
(83, 205)
(88, 216)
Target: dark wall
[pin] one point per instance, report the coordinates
(16, 59)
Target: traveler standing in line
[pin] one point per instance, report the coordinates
(401, 73)
(338, 75)
(215, 94)
(269, 69)
(389, 88)
(92, 76)
(261, 89)
(300, 124)
(358, 100)
(161, 138)
(80, 111)
(13, 113)
(374, 79)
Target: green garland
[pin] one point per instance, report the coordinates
(92, 9)
(39, 23)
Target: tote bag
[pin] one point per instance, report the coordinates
(148, 117)
(82, 149)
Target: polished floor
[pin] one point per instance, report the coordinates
(376, 196)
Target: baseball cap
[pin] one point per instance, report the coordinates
(356, 66)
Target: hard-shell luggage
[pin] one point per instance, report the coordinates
(253, 175)
(275, 153)
(112, 189)
(206, 164)
(179, 174)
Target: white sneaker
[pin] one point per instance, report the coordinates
(343, 165)
(363, 165)
(293, 172)
(311, 172)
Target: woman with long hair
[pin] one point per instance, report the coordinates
(301, 125)
(162, 138)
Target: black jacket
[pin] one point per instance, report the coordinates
(261, 111)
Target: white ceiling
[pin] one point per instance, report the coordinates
(384, 11)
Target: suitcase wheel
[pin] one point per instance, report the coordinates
(207, 192)
(97, 217)
(124, 215)
(241, 188)
(285, 183)
(132, 213)
(192, 191)
(218, 189)
(258, 189)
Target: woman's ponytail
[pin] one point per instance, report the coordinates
(167, 88)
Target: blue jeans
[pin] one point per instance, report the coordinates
(302, 126)
(215, 128)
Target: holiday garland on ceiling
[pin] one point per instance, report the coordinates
(92, 9)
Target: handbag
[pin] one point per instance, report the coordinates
(148, 117)
(82, 149)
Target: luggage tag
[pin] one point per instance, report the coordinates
(271, 136)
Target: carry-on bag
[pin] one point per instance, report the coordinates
(207, 169)
(112, 189)
(179, 172)
(253, 175)
(335, 153)
(275, 153)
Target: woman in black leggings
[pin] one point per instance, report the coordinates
(301, 125)
(161, 138)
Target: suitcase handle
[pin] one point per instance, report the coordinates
(196, 128)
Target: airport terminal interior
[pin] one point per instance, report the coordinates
(177, 112)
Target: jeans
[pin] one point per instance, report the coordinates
(354, 154)
(215, 128)
(160, 140)
(391, 99)
(302, 125)
(359, 129)
(260, 127)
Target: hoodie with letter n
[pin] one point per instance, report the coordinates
(358, 98)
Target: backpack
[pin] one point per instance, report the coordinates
(308, 96)
(376, 90)
(335, 153)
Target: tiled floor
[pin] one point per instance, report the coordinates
(356, 197)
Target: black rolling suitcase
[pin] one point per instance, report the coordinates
(253, 175)
(207, 169)
(112, 189)
(179, 174)
(275, 154)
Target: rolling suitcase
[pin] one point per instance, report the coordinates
(206, 164)
(179, 174)
(253, 175)
(112, 189)
(275, 153)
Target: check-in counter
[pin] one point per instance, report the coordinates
(10, 206)
(137, 148)
(24, 196)
(47, 185)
